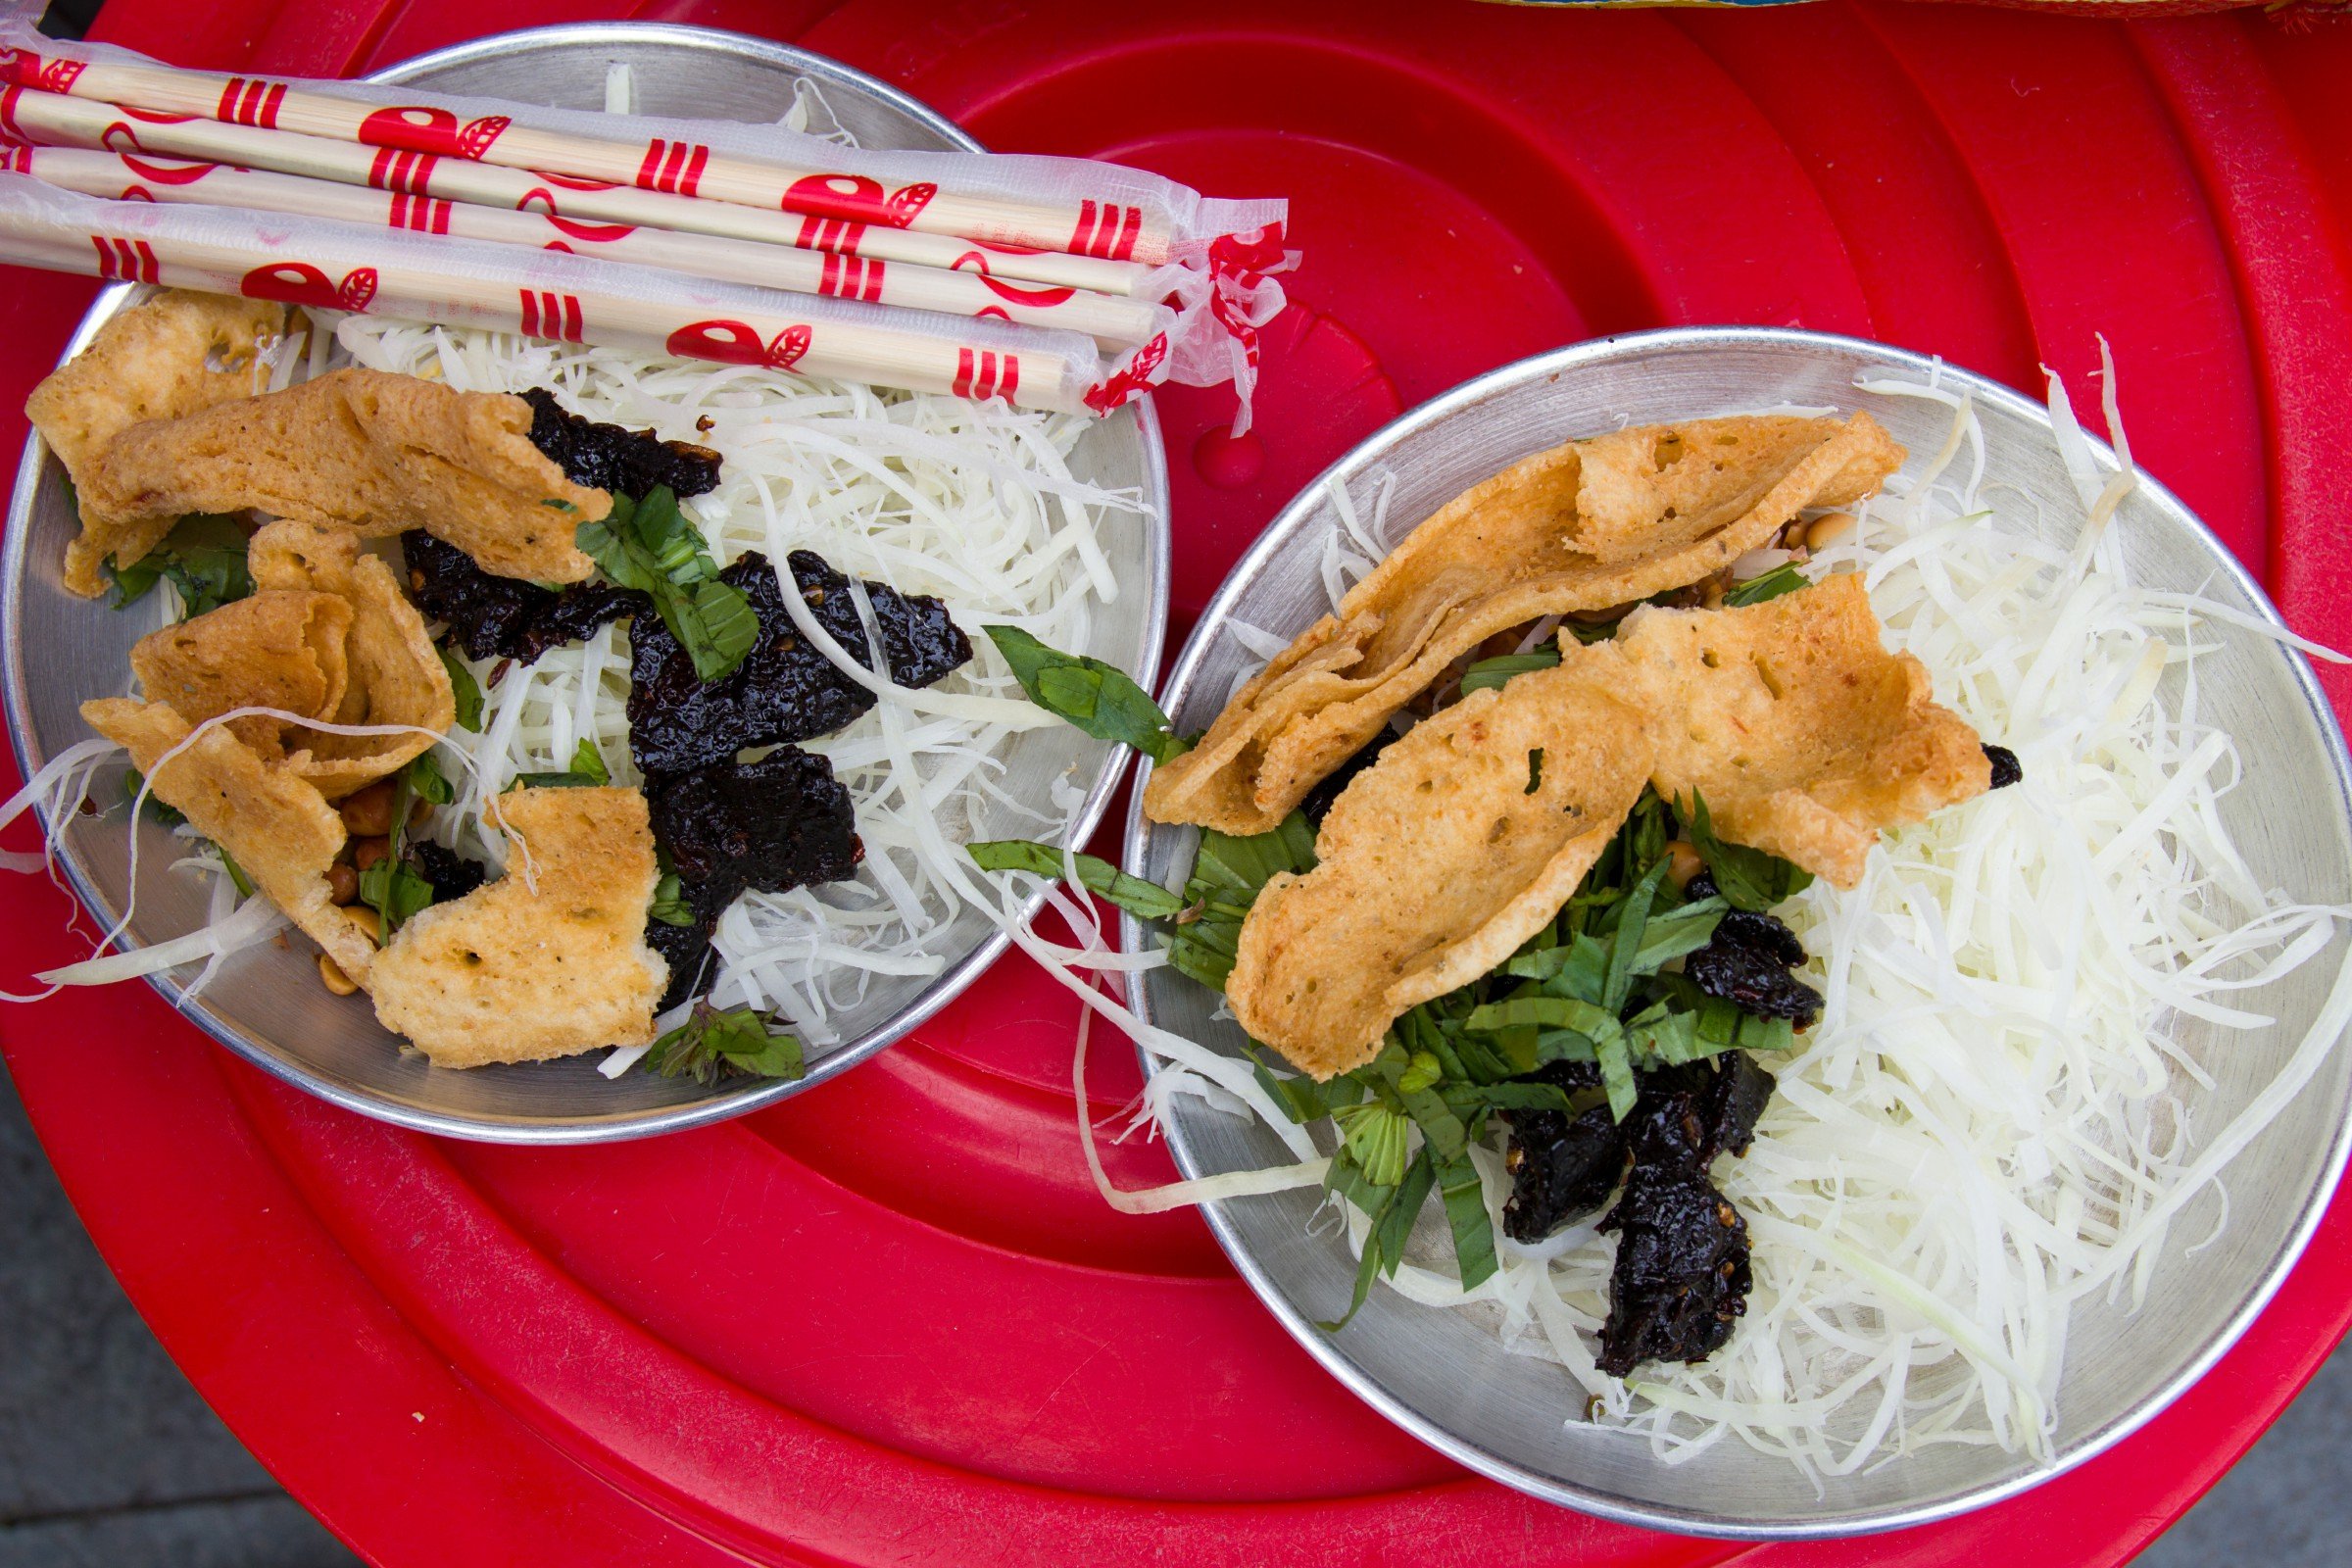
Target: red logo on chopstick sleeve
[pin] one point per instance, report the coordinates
(124, 143)
(126, 260)
(851, 277)
(25, 68)
(301, 284)
(546, 314)
(1044, 296)
(674, 167)
(420, 129)
(543, 202)
(986, 374)
(856, 199)
(737, 343)
(250, 103)
(1107, 229)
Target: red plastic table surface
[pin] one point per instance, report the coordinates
(889, 1322)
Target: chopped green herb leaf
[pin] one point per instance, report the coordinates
(1146, 901)
(466, 690)
(395, 889)
(203, 558)
(669, 895)
(1784, 578)
(1489, 674)
(1098, 697)
(587, 773)
(159, 810)
(1748, 878)
(653, 547)
(1227, 873)
(712, 1044)
(236, 873)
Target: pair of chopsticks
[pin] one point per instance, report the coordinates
(152, 134)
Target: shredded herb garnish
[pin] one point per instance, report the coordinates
(393, 887)
(1146, 901)
(465, 690)
(653, 547)
(1784, 578)
(587, 773)
(1749, 878)
(1489, 674)
(713, 1043)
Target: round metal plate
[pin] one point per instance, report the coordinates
(267, 1004)
(1445, 1376)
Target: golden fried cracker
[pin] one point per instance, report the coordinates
(367, 451)
(1506, 552)
(1441, 858)
(1804, 735)
(278, 829)
(174, 355)
(277, 647)
(545, 964)
(396, 675)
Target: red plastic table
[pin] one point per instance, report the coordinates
(889, 1322)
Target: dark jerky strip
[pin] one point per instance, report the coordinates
(493, 616)
(450, 874)
(1680, 1280)
(609, 457)
(2006, 770)
(778, 823)
(686, 949)
(784, 690)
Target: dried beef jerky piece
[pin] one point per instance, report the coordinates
(781, 822)
(1687, 1115)
(1319, 799)
(1680, 1280)
(784, 690)
(485, 613)
(572, 614)
(1746, 962)
(452, 875)
(2006, 768)
(692, 963)
(1562, 1168)
(610, 457)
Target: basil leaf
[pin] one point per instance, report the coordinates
(1489, 674)
(236, 873)
(653, 547)
(395, 889)
(1633, 916)
(424, 781)
(587, 773)
(1146, 901)
(1098, 697)
(739, 1042)
(669, 905)
(203, 556)
(1784, 578)
(1748, 878)
(1228, 871)
(1384, 1242)
(1301, 1098)
(465, 690)
(1467, 1215)
(159, 810)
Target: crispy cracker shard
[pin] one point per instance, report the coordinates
(1589, 525)
(274, 824)
(1802, 733)
(280, 648)
(548, 960)
(1441, 858)
(784, 690)
(365, 451)
(176, 355)
(395, 674)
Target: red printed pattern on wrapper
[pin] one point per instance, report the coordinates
(24, 68)
(546, 314)
(543, 202)
(1107, 229)
(126, 260)
(856, 199)
(250, 103)
(737, 343)
(1130, 380)
(401, 169)
(674, 167)
(301, 284)
(851, 277)
(985, 373)
(124, 143)
(422, 213)
(420, 129)
(1042, 296)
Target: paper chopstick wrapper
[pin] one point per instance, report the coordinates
(343, 267)
(1114, 324)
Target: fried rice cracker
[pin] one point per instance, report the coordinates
(1514, 549)
(280, 831)
(548, 960)
(278, 648)
(174, 355)
(1439, 860)
(369, 452)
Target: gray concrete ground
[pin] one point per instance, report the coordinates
(108, 1460)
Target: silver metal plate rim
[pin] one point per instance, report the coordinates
(951, 981)
(1324, 1347)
